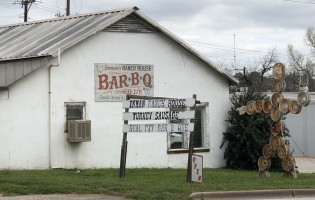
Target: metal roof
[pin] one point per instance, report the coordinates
(43, 38)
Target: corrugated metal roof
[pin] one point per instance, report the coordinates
(44, 38)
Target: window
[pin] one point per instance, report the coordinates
(74, 111)
(179, 142)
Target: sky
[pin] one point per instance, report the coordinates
(225, 31)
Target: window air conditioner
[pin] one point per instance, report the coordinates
(79, 130)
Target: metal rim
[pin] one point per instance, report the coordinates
(278, 85)
(259, 105)
(276, 128)
(250, 107)
(264, 163)
(275, 142)
(283, 151)
(268, 151)
(275, 114)
(278, 71)
(288, 163)
(276, 98)
(295, 108)
(303, 98)
(284, 106)
(267, 106)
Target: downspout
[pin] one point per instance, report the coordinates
(50, 107)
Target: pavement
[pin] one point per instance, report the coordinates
(305, 164)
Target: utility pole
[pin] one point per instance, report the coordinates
(26, 7)
(68, 8)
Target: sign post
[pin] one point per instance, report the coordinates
(148, 104)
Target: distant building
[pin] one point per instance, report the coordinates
(80, 68)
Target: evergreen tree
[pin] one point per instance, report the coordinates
(247, 134)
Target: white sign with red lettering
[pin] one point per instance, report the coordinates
(114, 81)
(197, 166)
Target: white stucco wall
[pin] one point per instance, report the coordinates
(177, 74)
(24, 123)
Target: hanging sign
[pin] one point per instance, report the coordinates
(197, 166)
(114, 81)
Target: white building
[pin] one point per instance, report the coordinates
(51, 71)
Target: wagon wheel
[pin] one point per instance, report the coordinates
(250, 107)
(275, 142)
(283, 151)
(288, 163)
(289, 174)
(264, 163)
(259, 105)
(276, 98)
(278, 85)
(263, 174)
(278, 71)
(275, 114)
(284, 106)
(304, 98)
(295, 108)
(267, 106)
(276, 128)
(267, 151)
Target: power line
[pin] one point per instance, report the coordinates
(296, 1)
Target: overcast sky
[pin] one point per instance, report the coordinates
(207, 25)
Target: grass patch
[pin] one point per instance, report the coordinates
(141, 183)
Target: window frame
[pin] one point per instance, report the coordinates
(204, 134)
(81, 105)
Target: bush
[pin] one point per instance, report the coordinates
(247, 134)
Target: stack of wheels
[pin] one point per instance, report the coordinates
(288, 165)
(264, 164)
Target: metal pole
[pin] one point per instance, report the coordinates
(25, 10)
(68, 8)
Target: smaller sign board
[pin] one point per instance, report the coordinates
(158, 115)
(159, 103)
(197, 166)
(145, 128)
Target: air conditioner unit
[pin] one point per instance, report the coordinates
(79, 130)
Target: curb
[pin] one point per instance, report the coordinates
(252, 194)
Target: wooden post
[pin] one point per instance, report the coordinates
(191, 145)
(123, 155)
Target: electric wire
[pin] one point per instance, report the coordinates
(296, 1)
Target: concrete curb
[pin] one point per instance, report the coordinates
(252, 194)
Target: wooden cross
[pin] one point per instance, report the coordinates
(277, 106)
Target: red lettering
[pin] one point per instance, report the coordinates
(197, 171)
(122, 80)
(147, 80)
(113, 82)
(195, 165)
(199, 178)
(102, 79)
(134, 78)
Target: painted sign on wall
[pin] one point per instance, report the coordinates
(114, 81)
